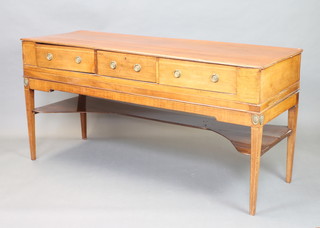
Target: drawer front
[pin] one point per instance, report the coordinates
(195, 75)
(65, 58)
(129, 66)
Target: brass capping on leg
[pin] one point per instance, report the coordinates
(256, 119)
(26, 82)
(261, 119)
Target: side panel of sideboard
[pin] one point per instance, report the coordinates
(279, 77)
(29, 53)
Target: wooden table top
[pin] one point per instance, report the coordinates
(234, 54)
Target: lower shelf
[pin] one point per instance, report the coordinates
(239, 136)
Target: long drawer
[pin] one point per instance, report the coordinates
(196, 75)
(65, 58)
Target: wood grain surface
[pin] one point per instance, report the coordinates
(244, 55)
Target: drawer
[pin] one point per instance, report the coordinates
(129, 66)
(204, 76)
(65, 58)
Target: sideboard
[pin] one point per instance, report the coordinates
(229, 88)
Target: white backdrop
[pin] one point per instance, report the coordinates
(287, 23)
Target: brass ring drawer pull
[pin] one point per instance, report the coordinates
(177, 73)
(113, 65)
(49, 56)
(78, 59)
(137, 67)
(215, 78)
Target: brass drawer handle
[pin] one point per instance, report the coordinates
(49, 56)
(78, 59)
(215, 78)
(137, 67)
(113, 65)
(177, 73)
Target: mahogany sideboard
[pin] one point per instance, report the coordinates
(229, 88)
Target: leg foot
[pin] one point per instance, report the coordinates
(29, 97)
(256, 140)
(292, 124)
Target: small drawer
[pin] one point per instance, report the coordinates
(66, 58)
(129, 66)
(204, 76)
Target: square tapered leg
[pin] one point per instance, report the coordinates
(256, 142)
(292, 124)
(29, 98)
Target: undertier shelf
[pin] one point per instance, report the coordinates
(239, 136)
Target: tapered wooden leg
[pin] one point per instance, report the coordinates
(29, 96)
(82, 100)
(83, 118)
(292, 124)
(256, 140)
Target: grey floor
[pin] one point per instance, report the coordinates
(138, 173)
